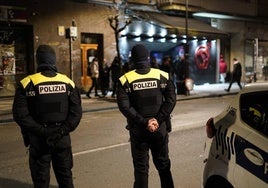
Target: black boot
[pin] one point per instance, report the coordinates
(88, 95)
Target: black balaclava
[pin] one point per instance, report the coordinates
(46, 58)
(140, 57)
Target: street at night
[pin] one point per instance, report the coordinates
(125, 54)
(101, 149)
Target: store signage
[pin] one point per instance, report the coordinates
(17, 14)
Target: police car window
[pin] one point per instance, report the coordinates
(254, 110)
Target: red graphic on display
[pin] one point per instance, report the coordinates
(201, 56)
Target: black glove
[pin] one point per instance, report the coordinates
(53, 139)
(48, 131)
(64, 129)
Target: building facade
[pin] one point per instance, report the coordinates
(25, 25)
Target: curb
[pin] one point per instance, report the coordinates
(184, 98)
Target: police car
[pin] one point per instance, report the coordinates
(237, 144)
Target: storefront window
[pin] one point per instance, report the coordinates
(256, 60)
(16, 59)
(7, 69)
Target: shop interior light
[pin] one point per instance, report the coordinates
(137, 39)
(162, 40)
(213, 15)
(151, 39)
(137, 33)
(174, 40)
(125, 31)
(183, 41)
(151, 31)
(163, 32)
(123, 41)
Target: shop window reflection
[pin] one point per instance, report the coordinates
(7, 70)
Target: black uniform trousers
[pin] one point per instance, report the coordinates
(41, 156)
(141, 142)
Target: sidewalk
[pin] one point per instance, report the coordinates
(108, 103)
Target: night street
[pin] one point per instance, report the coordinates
(102, 152)
(54, 53)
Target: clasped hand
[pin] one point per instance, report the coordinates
(53, 135)
(152, 125)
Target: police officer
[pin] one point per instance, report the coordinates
(47, 107)
(146, 97)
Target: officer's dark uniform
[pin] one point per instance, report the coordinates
(146, 93)
(47, 106)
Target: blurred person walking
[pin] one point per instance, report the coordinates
(167, 66)
(115, 74)
(223, 69)
(94, 76)
(154, 63)
(180, 72)
(104, 78)
(236, 74)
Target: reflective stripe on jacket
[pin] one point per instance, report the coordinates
(145, 90)
(48, 96)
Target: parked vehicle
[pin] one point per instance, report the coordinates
(237, 144)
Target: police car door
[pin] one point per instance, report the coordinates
(251, 142)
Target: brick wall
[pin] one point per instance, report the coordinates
(89, 18)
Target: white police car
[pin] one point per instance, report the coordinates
(237, 145)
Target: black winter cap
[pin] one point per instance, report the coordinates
(139, 54)
(45, 56)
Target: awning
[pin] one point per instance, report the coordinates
(176, 25)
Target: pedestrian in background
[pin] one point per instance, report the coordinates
(47, 107)
(223, 69)
(154, 63)
(236, 74)
(146, 97)
(126, 68)
(104, 78)
(115, 74)
(94, 76)
(167, 66)
(180, 72)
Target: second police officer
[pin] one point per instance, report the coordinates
(47, 107)
(146, 97)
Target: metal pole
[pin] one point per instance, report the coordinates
(72, 37)
(186, 34)
(186, 20)
(256, 51)
(71, 57)
(186, 46)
